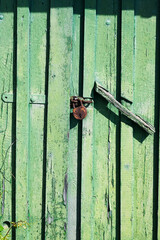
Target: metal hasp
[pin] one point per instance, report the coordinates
(79, 110)
(135, 118)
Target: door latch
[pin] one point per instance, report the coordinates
(79, 110)
(135, 118)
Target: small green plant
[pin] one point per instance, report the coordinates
(5, 235)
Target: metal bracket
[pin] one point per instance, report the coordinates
(7, 97)
(34, 98)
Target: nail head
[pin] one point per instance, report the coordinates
(1, 17)
(108, 22)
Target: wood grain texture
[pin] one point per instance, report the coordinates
(145, 31)
(105, 124)
(74, 163)
(22, 118)
(58, 121)
(87, 194)
(37, 72)
(127, 81)
(137, 151)
(98, 153)
(78, 45)
(6, 85)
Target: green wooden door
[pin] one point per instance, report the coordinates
(95, 179)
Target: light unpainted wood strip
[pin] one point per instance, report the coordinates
(109, 97)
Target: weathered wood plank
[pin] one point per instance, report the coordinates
(156, 170)
(135, 118)
(105, 121)
(127, 75)
(22, 118)
(37, 71)
(145, 31)
(87, 198)
(6, 85)
(158, 225)
(75, 127)
(58, 120)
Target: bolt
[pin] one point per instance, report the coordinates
(1, 17)
(108, 22)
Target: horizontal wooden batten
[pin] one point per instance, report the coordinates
(34, 98)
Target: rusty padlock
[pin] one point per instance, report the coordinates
(79, 112)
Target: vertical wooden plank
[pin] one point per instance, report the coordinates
(156, 186)
(22, 146)
(87, 198)
(128, 45)
(128, 61)
(105, 123)
(6, 85)
(137, 154)
(158, 225)
(144, 89)
(74, 141)
(38, 68)
(58, 119)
